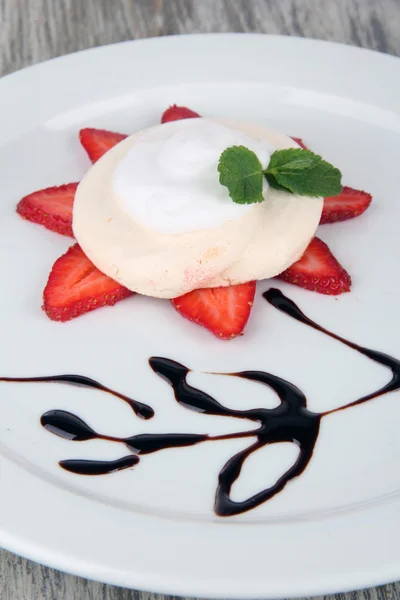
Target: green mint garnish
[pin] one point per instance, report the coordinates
(303, 172)
(293, 170)
(242, 173)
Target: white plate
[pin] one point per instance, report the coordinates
(336, 527)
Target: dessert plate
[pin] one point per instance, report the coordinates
(152, 524)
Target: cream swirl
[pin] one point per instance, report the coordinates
(168, 180)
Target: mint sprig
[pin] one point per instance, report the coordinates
(242, 173)
(293, 170)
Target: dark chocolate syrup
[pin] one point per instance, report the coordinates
(99, 467)
(70, 427)
(291, 421)
(284, 304)
(141, 410)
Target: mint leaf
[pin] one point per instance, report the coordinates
(293, 170)
(304, 173)
(242, 173)
(273, 182)
(292, 159)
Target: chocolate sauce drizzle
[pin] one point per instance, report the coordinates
(141, 410)
(99, 467)
(291, 421)
(287, 306)
(71, 427)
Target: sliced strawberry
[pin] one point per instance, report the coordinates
(346, 205)
(99, 141)
(300, 142)
(224, 310)
(51, 207)
(176, 113)
(318, 271)
(75, 287)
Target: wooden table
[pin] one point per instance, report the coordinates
(35, 30)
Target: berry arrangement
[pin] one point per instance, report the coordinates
(75, 286)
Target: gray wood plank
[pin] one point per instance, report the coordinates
(35, 30)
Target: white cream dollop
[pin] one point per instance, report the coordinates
(168, 180)
(258, 243)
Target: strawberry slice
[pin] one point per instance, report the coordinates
(75, 287)
(99, 141)
(346, 205)
(318, 271)
(176, 113)
(224, 310)
(300, 142)
(51, 207)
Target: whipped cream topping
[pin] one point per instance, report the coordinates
(168, 181)
(262, 242)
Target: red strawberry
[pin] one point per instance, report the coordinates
(224, 310)
(51, 207)
(300, 142)
(346, 205)
(176, 113)
(75, 286)
(318, 271)
(99, 141)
